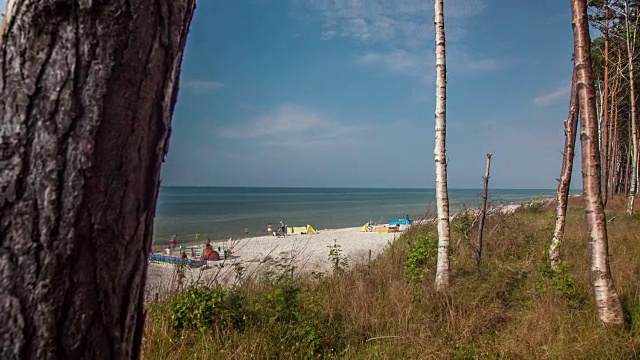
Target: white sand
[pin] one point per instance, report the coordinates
(306, 253)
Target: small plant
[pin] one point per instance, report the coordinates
(278, 269)
(239, 271)
(534, 205)
(464, 223)
(180, 272)
(563, 282)
(197, 308)
(278, 305)
(340, 262)
(422, 253)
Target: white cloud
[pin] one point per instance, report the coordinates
(461, 61)
(202, 86)
(420, 63)
(292, 125)
(406, 21)
(552, 96)
(399, 61)
(402, 31)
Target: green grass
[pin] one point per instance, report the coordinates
(514, 308)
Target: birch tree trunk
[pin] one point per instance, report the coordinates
(606, 298)
(570, 129)
(483, 212)
(442, 195)
(88, 89)
(634, 135)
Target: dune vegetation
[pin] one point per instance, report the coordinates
(514, 307)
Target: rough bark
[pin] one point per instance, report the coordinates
(88, 89)
(483, 213)
(605, 113)
(606, 298)
(570, 130)
(442, 195)
(632, 100)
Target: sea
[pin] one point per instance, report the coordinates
(219, 213)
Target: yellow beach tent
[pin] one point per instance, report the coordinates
(365, 227)
(309, 230)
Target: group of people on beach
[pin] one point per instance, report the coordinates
(208, 254)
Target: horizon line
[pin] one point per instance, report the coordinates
(343, 187)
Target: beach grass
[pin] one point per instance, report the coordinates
(515, 307)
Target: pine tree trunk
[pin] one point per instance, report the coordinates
(570, 130)
(632, 100)
(483, 212)
(88, 90)
(442, 195)
(605, 113)
(606, 298)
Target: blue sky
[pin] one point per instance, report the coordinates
(341, 93)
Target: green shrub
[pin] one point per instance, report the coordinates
(565, 283)
(293, 318)
(422, 253)
(200, 308)
(464, 222)
(534, 205)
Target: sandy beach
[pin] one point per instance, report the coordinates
(253, 256)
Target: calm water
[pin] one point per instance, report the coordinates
(222, 212)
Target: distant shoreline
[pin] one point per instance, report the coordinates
(505, 209)
(352, 188)
(220, 213)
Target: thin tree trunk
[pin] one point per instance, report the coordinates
(616, 134)
(483, 213)
(634, 136)
(607, 300)
(442, 194)
(88, 89)
(627, 171)
(570, 130)
(605, 112)
(599, 113)
(613, 129)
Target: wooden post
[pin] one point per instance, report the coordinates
(483, 213)
(369, 255)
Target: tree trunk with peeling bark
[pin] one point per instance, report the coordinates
(440, 156)
(570, 130)
(88, 89)
(606, 298)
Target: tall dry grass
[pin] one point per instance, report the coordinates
(513, 308)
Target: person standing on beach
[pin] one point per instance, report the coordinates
(173, 242)
(282, 228)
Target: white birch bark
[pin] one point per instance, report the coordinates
(442, 196)
(606, 297)
(565, 177)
